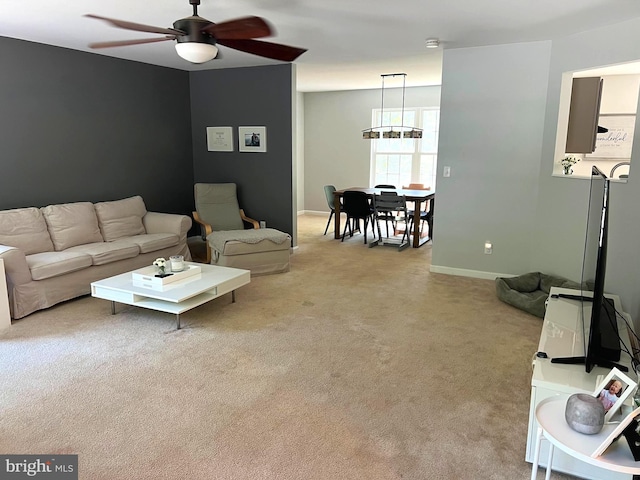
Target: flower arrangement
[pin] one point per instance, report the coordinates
(160, 264)
(567, 163)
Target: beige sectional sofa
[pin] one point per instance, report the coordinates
(52, 254)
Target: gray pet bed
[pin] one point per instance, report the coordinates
(529, 292)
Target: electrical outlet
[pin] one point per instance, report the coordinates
(446, 172)
(488, 248)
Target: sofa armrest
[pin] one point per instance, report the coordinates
(156, 222)
(15, 266)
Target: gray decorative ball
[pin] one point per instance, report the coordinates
(584, 413)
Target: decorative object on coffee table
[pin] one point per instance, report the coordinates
(161, 265)
(177, 263)
(584, 413)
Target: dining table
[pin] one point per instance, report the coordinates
(416, 196)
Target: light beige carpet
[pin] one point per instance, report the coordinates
(357, 364)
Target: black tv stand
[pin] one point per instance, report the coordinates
(608, 341)
(581, 360)
(580, 298)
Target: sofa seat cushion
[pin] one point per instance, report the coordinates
(72, 224)
(242, 242)
(121, 218)
(52, 264)
(107, 252)
(151, 242)
(25, 229)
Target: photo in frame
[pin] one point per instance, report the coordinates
(612, 391)
(220, 139)
(252, 139)
(627, 427)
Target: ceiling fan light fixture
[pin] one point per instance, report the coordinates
(196, 52)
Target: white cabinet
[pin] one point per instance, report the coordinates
(562, 336)
(586, 94)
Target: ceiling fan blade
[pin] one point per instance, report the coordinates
(138, 27)
(240, 28)
(265, 49)
(123, 43)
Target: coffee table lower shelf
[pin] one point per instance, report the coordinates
(178, 297)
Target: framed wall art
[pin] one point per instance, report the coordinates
(220, 139)
(617, 141)
(252, 139)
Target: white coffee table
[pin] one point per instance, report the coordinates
(177, 297)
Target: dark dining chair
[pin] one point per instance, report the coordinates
(390, 204)
(389, 217)
(328, 192)
(425, 212)
(357, 207)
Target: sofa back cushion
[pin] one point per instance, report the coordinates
(121, 218)
(72, 224)
(25, 229)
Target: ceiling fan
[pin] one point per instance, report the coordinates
(197, 37)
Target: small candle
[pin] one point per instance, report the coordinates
(177, 263)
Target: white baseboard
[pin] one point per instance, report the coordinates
(313, 212)
(463, 272)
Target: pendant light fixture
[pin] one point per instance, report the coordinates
(401, 131)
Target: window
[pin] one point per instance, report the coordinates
(401, 161)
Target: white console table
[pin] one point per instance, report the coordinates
(562, 336)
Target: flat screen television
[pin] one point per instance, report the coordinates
(600, 327)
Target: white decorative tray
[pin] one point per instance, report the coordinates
(146, 277)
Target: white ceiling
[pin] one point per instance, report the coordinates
(350, 43)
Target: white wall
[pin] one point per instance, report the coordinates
(491, 127)
(335, 153)
(499, 119)
(561, 212)
(299, 158)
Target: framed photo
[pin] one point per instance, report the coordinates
(220, 139)
(628, 426)
(252, 139)
(613, 391)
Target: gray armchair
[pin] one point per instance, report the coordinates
(217, 209)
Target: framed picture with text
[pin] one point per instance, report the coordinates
(220, 139)
(616, 142)
(252, 139)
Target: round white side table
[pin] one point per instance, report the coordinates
(553, 426)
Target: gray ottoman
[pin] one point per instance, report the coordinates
(263, 251)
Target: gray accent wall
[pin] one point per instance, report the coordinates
(76, 126)
(258, 96)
